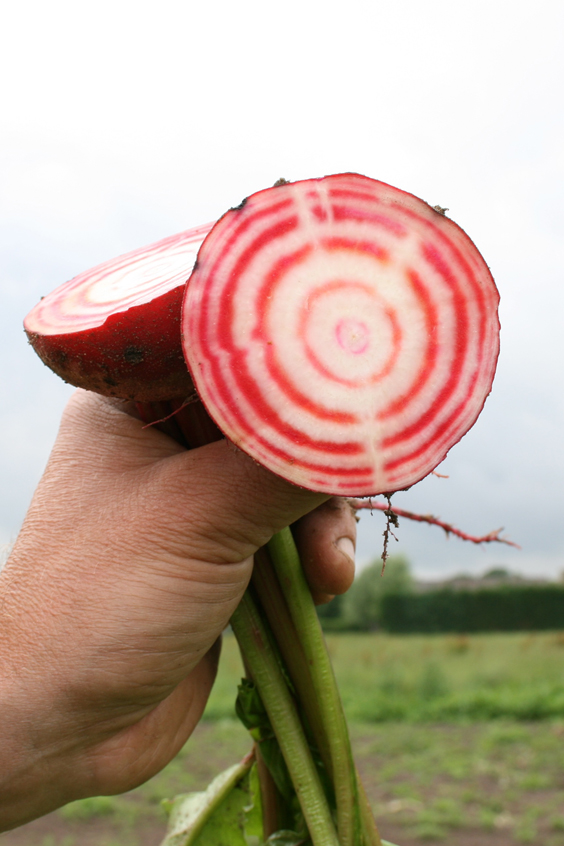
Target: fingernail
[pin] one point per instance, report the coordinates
(347, 546)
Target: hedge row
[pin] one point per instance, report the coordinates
(501, 609)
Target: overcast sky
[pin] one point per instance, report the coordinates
(125, 122)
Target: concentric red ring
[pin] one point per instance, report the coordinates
(342, 332)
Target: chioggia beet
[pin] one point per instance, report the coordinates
(115, 329)
(342, 332)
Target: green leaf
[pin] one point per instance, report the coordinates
(253, 810)
(249, 707)
(216, 816)
(252, 714)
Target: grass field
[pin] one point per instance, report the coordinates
(489, 783)
(434, 678)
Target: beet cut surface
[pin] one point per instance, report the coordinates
(342, 332)
(115, 329)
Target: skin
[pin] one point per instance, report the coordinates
(131, 560)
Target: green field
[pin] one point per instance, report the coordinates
(433, 678)
(432, 779)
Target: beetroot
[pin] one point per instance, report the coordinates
(342, 332)
(115, 329)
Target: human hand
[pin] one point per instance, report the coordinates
(132, 558)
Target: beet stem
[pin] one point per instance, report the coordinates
(254, 639)
(286, 562)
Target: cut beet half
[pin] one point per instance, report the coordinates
(115, 329)
(342, 332)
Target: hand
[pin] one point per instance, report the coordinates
(131, 560)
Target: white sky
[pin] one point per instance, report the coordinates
(125, 122)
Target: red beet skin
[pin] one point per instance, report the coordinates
(342, 332)
(115, 329)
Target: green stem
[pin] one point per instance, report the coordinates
(270, 798)
(258, 651)
(369, 827)
(287, 564)
(274, 606)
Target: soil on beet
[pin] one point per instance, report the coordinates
(489, 784)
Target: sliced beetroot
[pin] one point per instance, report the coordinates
(115, 329)
(342, 332)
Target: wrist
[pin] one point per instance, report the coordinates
(32, 771)
(22, 766)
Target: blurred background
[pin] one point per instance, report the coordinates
(125, 122)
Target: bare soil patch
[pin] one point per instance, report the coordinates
(491, 784)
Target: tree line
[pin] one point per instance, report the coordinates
(391, 602)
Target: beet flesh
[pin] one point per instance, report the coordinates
(115, 329)
(342, 332)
